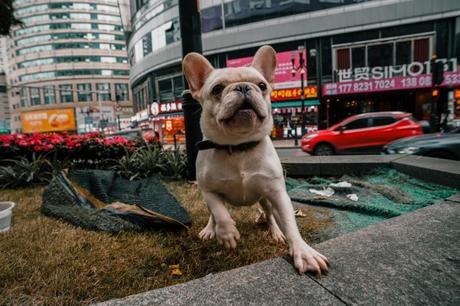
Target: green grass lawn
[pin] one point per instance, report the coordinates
(46, 261)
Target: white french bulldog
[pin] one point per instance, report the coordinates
(237, 163)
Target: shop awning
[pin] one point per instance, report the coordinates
(294, 103)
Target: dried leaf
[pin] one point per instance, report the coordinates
(175, 270)
(299, 213)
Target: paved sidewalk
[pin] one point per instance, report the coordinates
(413, 259)
(279, 144)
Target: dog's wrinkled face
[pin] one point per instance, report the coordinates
(235, 101)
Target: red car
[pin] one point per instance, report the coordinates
(364, 133)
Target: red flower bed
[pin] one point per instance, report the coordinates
(90, 146)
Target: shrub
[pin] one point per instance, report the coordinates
(31, 159)
(22, 172)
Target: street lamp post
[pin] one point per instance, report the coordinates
(190, 29)
(301, 68)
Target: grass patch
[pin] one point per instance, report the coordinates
(46, 261)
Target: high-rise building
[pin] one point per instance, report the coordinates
(4, 105)
(361, 56)
(69, 60)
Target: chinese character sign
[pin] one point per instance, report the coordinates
(51, 120)
(294, 93)
(283, 72)
(408, 76)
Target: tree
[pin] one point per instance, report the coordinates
(7, 18)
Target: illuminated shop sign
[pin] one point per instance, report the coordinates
(411, 76)
(407, 70)
(294, 93)
(283, 71)
(170, 107)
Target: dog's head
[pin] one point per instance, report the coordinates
(235, 101)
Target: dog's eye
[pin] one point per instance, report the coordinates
(262, 86)
(217, 90)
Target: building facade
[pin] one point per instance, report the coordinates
(361, 56)
(4, 102)
(68, 61)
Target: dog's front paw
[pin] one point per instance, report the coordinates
(208, 232)
(306, 259)
(227, 234)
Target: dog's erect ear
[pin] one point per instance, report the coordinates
(196, 70)
(265, 62)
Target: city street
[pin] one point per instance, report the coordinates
(129, 130)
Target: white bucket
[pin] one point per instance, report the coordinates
(6, 211)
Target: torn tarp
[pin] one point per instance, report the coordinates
(103, 200)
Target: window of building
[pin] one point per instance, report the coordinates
(50, 96)
(147, 44)
(103, 92)
(380, 55)
(165, 90)
(421, 50)
(403, 52)
(121, 92)
(34, 96)
(389, 53)
(66, 93)
(343, 58)
(84, 92)
(23, 97)
(358, 57)
(178, 84)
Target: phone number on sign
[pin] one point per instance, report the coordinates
(375, 85)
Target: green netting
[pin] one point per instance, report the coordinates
(103, 200)
(382, 194)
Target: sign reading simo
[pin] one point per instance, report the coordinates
(375, 79)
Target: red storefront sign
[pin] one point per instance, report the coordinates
(170, 107)
(294, 93)
(283, 71)
(397, 83)
(408, 76)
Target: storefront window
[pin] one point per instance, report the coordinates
(66, 93)
(84, 92)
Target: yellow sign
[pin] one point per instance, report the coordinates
(48, 120)
(294, 93)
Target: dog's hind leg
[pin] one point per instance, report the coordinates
(273, 227)
(209, 231)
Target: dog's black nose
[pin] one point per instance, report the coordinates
(243, 88)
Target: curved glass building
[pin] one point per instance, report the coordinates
(69, 55)
(386, 43)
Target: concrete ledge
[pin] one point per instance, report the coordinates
(272, 282)
(413, 259)
(435, 170)
(336, 165)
